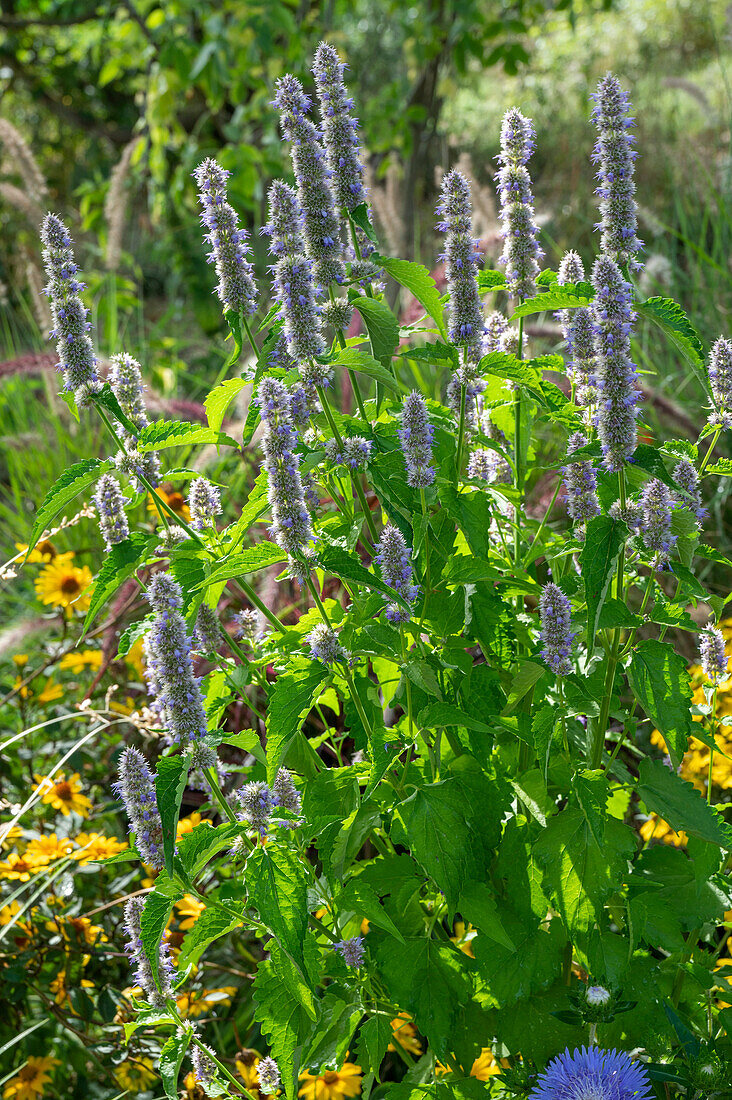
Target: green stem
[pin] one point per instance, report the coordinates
(691, 942)
(219, 794)
(614, 655)
(517, 449)
(542, 525)
(354, 480)
(712, 730)
(248, 331)
(254, 599)
(708, 455)
(461, 435)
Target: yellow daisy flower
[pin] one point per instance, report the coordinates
(18, 868)
(95, 846)
(63, 794)
(31, 1080)
(136, 1075)
(246, 1067)
(405, 1033)
(188, 824)
(78, 662)
(46, 849)
(44, 551)
(334, 1084)
(9, 835)
(485, 1065)
(658, 829)
(62, 584)
(50, 693)
(81, 930)
(189, 909)
(174, 499)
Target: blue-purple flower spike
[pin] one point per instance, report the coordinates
(125, 378)
(204, 502)
(655, 527)
(461, 260)
(291, 527)
(285, 221)
(71, 328)
(351, 951)
(521, 251)
(136, 788)
(228, 241)
(256, 802)
(110, 506)
(324, 645)
(556, 629)
(593, 1074)
(395, 559)
(614, 155)
(580, 482)
(720, 379)
(578, 329)
(616, 372)
(712, 654)
(321, 224)
(687, 478)
(155, 992)
(170, 669)
(415, 436)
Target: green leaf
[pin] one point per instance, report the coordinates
(212, 923)
(490, 279)
(255, 557)
(723, 467)
(417, 279)
(373, 1039)
(349, 568)
(513, 974)
(649, 459)
(277, 886)
(170, 782)
(361, 361)
(71, 482)
(590, 788)
(107, 398)
(443, 714)
(659, 680)
(478, 906)
(360, 217)
(604, 540)
(119, 564)
(680, 804)
(154, 918)
(196, 848)
(171, 1059)
(285, 1010)
(670, 317)
(219, 400)
(560, 297)
(365, 902)
(430, 980)
(290, 702)
(451, 826)
(579, 873)
(504, 364)
(233, 319)
(179, 433)
(382, 327)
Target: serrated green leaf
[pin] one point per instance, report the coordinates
(360, 217)
(670, 317)
(360, 897)
(212, 923)
(504, 364)
(219, 400)
(659, 680)
(170, 782)
(417, 279)
(119, 564)
(285, 1010)
(290, 702)
(489, 279)
(382, 327)
(373, 1039)
(604, 539)
(443, 714)
(179, 433)
(559, 297)
(71, 482)
(591, 790)
(680, 804)
(255, 557)
(277, 885)
(171, 1059)
(154, 918)
(478, 906)
(198, 846)
(107, 398)
(349, 568)
(361, 361)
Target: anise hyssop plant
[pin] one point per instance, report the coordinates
(455, 850)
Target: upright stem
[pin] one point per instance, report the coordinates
(461, 435)
(354, 480)
(219, 794)
(613, 656)
(708, 455)
(712, 729)
(351, 373)
(517, 449)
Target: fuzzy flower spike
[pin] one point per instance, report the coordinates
(521, 251)
(395, 559)
(556, 629)
(314, 188)
(578, 329)
(712, 654)
(291, 527)
(655, 526)
(136, 788)
(228, 241)
(111, 509)
(415, 436)
(580, 482)
(615, 157)
(158, 991)
(77, 361)
(125, 378)
(593, 1074)
(461, 260)
(616, 372)
(720, 380)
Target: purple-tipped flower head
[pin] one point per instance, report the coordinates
(395, 559)
(111, 509)
(229, 248)
(71, 328)
(324, 645)
(125, 378)
(489, 466)
(655, 527)
(295, 291)
(593, 1074)
(286, 793)
(556, 629)
(248, 626)
(136, 788)
(156, 992)
(339, 129)
(571, 268)
(204, 502)
(614, 155)
(712, 654)
(496, 326)
(355, 452)
(208, 636)
(687, 478)
(521, 251)
(351, 951)
(284, 227)
(256, 803)
(415, 436)
(170, 668)
(616, 372)
(291, 528)
(461, 260)
(321, 224)
(203, 1064)
(269, 1076)
(720, 379)
(580, 482)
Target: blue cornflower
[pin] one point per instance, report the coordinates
(593, 1074)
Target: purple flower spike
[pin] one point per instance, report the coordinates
(415, 436)
(136, 788)
(655, 526)
(461, 260)
(155, 992)
(395, 559)
(615, 157)
(111, 509)
(580, 481)
(228, 241)
(204, 503)
(556, 629)
(720, 379)
(521, 251)
(712, 654)
(351, 951)
(616, 372)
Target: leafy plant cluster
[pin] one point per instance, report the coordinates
(439, 831)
